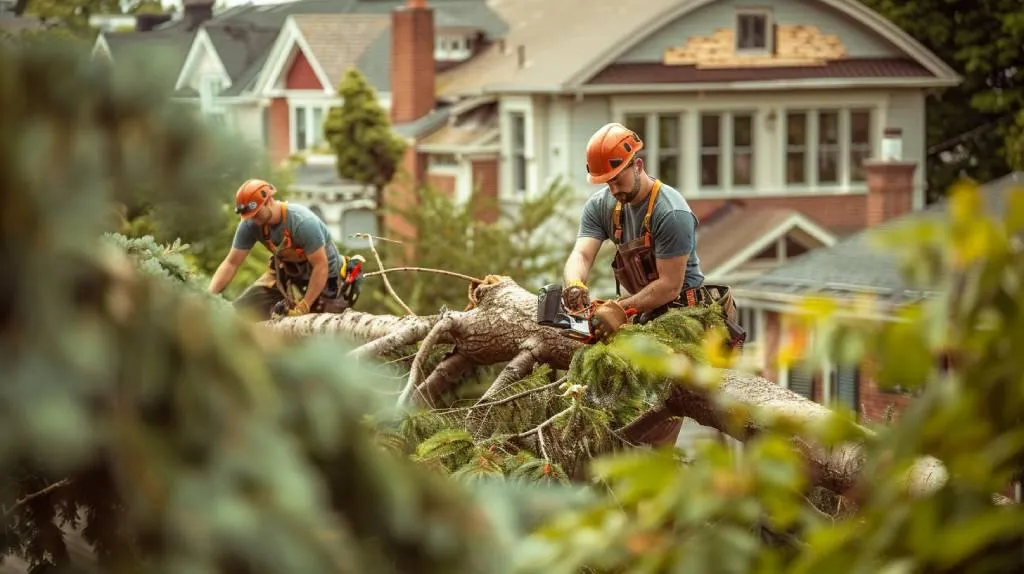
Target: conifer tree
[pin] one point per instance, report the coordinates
(359, 133)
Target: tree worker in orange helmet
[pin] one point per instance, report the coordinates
(303, 255)
(655, 235)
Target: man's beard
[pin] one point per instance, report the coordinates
(628, 198)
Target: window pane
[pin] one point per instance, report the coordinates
(668, 132)
(518, 121)
(709, 170)
(668, 169)
(860, 127)
(742, 130)
(795, 167)
(518, 173)
(828, 127)
(709, 132)
(742, 168)
(318, 125)
(300, 128)
(860, 143)
(796, 129)
(638, 123)
(828, 166)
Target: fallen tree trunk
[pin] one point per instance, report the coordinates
(501, 327)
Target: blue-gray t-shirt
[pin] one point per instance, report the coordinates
(308, 232)
(673, 226)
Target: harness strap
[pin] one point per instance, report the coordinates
(646, 226)
(287, 239)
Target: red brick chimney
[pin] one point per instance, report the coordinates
(890, 181)
(412, 62)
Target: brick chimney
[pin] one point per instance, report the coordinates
(412, 62)
(890, 181)
(197, 11)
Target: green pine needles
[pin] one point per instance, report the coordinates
(543, 428)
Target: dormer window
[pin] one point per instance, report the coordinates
(453, 47)
(753, 31)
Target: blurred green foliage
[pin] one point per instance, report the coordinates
(185, 441)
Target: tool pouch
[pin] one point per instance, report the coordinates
(634, 265)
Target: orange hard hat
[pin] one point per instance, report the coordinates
(251, 196)
(610, 150)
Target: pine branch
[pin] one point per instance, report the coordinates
(42, 492)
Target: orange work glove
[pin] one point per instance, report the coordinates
(576, 297)
(607, 318)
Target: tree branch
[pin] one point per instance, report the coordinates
(387, 284)
(42, 492)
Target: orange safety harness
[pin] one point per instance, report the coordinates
(617, 217)
(286, 242)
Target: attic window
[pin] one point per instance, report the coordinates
(753, 30)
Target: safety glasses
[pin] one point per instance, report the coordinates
(246, 208)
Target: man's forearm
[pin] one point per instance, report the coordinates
(654, 295)
(317, 282)
(222, 278)
(576, 267)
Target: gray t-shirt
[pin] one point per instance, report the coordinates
(673, 226)
(308, 233)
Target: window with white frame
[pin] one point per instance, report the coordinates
(710, 150)
(827, 146)
(749, 318)
(448, 47)
(727, 150)
(753, 31)
(210, 87)
(308, 125)
(517, 123)
(860, 143)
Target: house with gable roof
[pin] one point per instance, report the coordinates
(853, 268)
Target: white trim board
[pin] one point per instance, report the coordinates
(289, 41)
(794, 221)
(201, 41)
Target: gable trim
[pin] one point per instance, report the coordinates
(200, 42)
(795, 221)
(101, 44)
(851, 8)
(290, 38)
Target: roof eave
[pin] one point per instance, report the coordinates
(768, 85)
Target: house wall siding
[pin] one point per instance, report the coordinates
(300, 74)
(278, 117)
(860, 41)
(907, 112)
(485, 178)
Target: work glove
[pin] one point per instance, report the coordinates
(300, 308)
(576, 297)
(607, 318)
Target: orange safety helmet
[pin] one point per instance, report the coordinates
(610, 150)
(251, 196)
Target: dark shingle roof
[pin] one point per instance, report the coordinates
(857, 265)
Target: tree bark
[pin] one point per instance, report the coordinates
(501, 326)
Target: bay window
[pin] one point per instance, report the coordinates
(710, 150)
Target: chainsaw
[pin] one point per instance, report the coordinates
(552, 313)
